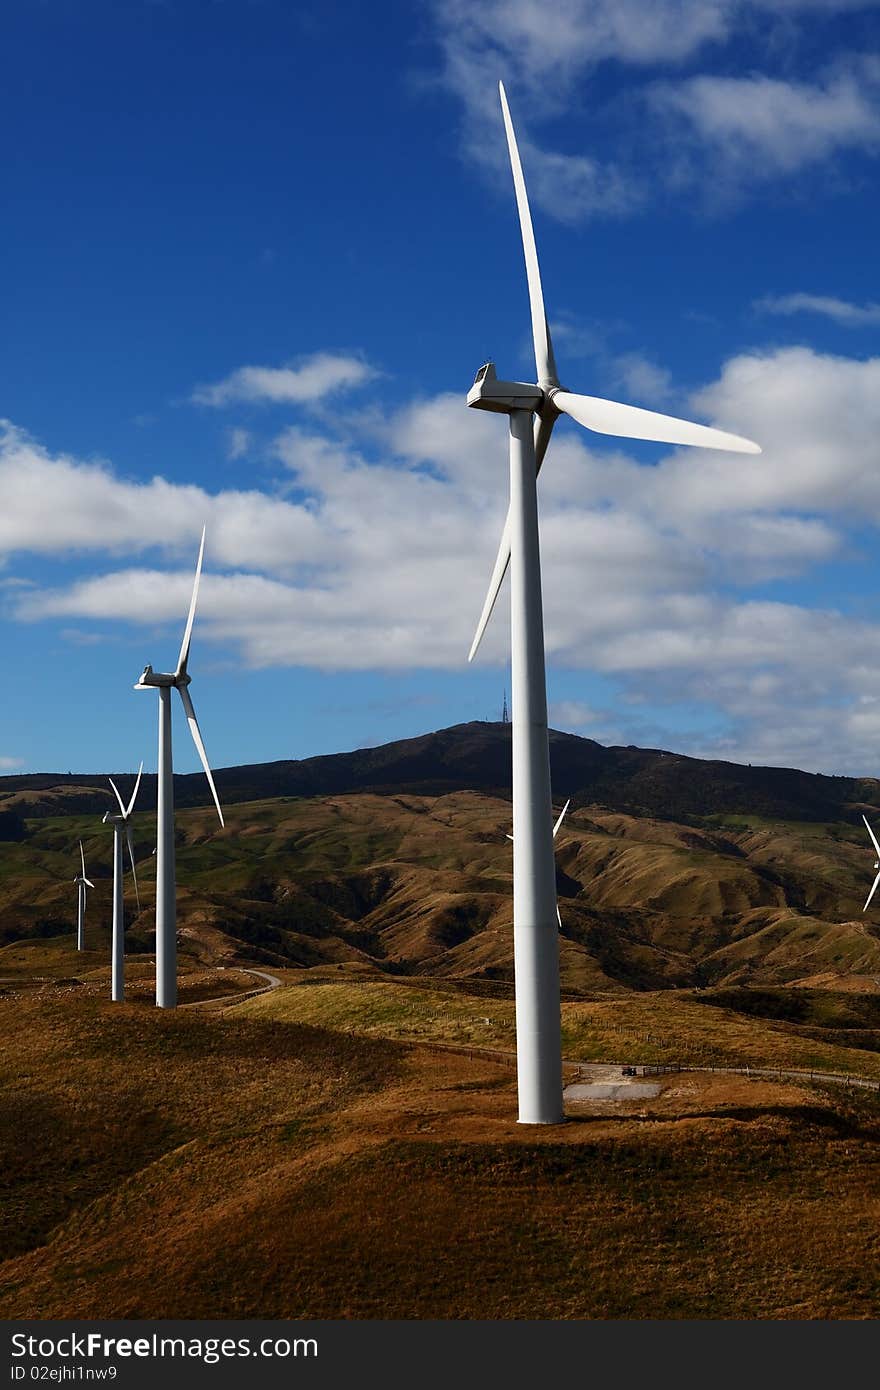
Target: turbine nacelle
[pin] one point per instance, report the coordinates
(81, 877)
(488, 393)
(150, 679)
(181, 680)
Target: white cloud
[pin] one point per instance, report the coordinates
(759, 126)
(560, 41)
(644, 381)
(95, 510)
(818, 419)
(575, 187)
(310, 379)
(7, 764)
(382, 562)
(571, 714)
(547, 55)
(840, 310)
(238, 443)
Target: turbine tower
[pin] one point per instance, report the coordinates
(120, 823)
(82, 883)
(555, 833)
(166, 899)
(533, 409)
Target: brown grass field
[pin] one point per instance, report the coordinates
(338, 1148)
(241, 1161)
(421, 885)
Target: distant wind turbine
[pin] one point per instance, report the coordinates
(166, 900)
(877, 863)
(555, 833)
(533, 410)
(121, 822)
(82, 883)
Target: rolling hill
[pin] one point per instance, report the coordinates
(345, 1146)
(671, 872)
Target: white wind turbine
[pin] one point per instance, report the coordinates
(166, 900)
(877, 863)
(555, 833)
(121, 822)
(533, 410)
(82, 883)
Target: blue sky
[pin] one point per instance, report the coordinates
(252, 254)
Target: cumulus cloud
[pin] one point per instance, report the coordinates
(840, 310)
(308, 380)
(753, 127)
(95, 510)
(376, 554)
(8, 764)
(817, 416)
(764, 127)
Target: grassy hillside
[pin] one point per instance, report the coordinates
(421, 886)
(240, 1164)
(321, 1150)
(704, 1029)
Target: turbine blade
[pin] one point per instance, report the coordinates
(544, 361)
(561, 817)
(872, 892)
(187, 632)
(200, 747)
(629, 421)
(89, 883)
(510, 837)
(118, 797)
(82, 858)
(502, 560)
(558, 917)
(871, 833)
(135, 792)
(134, 876)
(543, 430)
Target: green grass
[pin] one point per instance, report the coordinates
(662, 1027)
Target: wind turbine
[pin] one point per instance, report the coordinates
(555, 833)
(877, 863)
(120, 822)
(82, 883)
(533, 410)
(166, 900)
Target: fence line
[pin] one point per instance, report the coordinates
(580, 1068)
(774, 1073)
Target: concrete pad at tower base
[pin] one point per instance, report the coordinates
(612, 1090)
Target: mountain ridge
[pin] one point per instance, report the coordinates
(476, 756)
